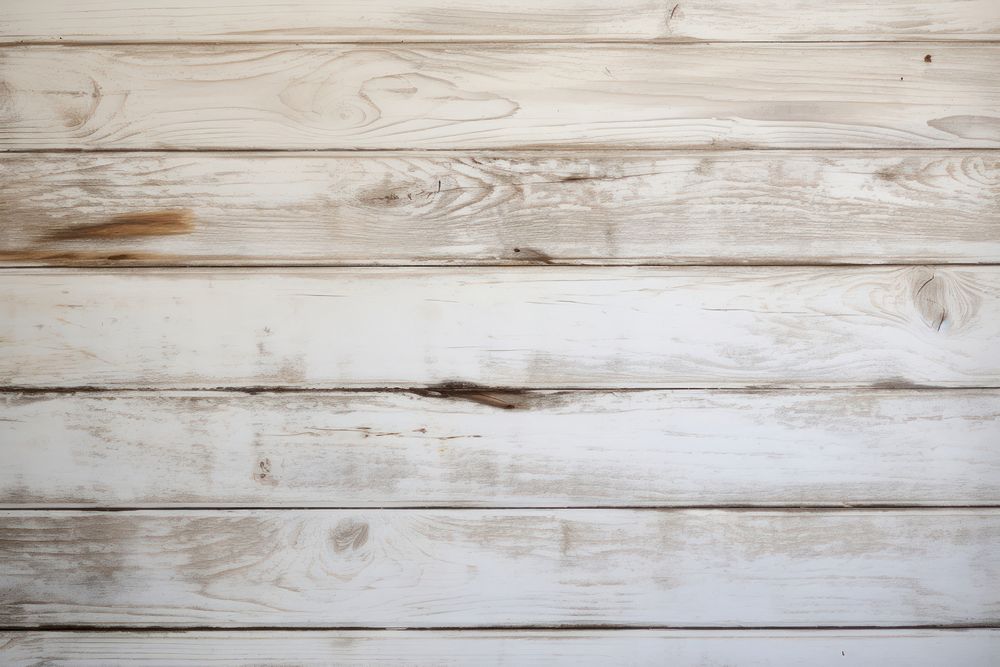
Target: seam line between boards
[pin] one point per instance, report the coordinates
(738, 509)
(504, 150)
(535, 41)
(432, 391)
(136, 266)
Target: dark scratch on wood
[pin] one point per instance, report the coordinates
(505, 399)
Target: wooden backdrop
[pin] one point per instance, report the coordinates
(438, 332)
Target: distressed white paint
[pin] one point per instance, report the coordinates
(450, 568)
(492, 448)
(543, 327)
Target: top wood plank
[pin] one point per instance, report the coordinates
(439, 20)
(500, 96)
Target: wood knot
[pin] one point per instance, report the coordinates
(929, 296)
(944, 298)
(262, 473)
(349, 534)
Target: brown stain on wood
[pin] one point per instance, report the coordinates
(131, 225)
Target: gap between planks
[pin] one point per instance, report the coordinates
(479, 389)
(553, 151)
(817, 508)
(568, 628)
(445, 43)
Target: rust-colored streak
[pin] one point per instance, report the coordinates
(131, 225)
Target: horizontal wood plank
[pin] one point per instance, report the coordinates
(482, 449)
(463, 568)
(542, 327)
(437, 20)
(501, 648)
(669, 208)
(497, 96)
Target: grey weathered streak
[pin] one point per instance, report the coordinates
(742, 207)
(494, 448)
(467, 568)
(513, 648)
(500, 96)
(541, 327)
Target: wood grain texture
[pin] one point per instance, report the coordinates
(521, 208)
(421, 20)
(463, 568)
(497, 96)
(543, 327)
(501, 648)
(482, 449)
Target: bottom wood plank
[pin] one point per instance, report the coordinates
(679, 648)
(468, 568)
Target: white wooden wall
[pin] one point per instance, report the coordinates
(439, 332)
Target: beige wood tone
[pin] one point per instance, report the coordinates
(494, 208)
(500, 96)
(434, 20)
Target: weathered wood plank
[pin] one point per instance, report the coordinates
(482, 449)
(584, 648)
(462, 568)
(728, 207)
(543, 327)
(421, 20)
(497, 96)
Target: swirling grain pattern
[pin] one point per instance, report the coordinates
(496, 208)
(499, 96)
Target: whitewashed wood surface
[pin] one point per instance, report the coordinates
(543, 327)
(500, 96)
(495, 448)
(437, 20)
(572, 648)
(255, 410)
(520, 208)
(467, 568)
